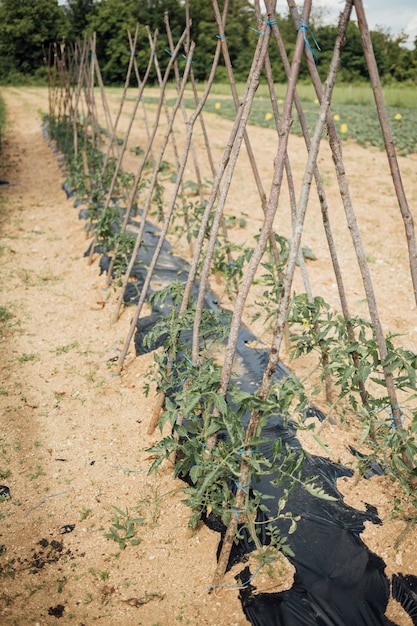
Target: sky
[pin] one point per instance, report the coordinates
(397, 16)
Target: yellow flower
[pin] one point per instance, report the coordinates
(343, 128)
(217, 105)
(336, 117)
(268, 116)
(397, 116)
(280, 101)
(316, 101)
(305, 323)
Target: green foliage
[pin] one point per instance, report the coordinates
(355, 121)
(187, 219)
(316, 328)
(231, 268)
(110, 21)
(2, 121)
(26, 30)
(5, 314)
(400, 95)
(28, 27)
(165, 172)
(122, 242)
(196, 411)
(79, 13)
(122, 530)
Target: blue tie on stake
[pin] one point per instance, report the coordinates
(306, 29)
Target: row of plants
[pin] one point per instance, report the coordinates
(195, 409)
(210, 477)
(396, 95)
(355, 121)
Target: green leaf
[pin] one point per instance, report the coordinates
(136, 541)
(293, 527)
(285, 549)
(318, 492)
(195, 473)
(120, 512)
(220, 403)
(212, 428)
(322, 443)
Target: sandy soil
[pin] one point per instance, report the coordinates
(73, 439)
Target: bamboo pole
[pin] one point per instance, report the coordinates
(138, 99)
(160, 397)
(183, 109)
(240, 125)
(145, 115)
(253, 425)
(293, 205)
(337, 153)
(325, 218)
(80, 77)
(135, 185)
(165, 105)
(132, 45)
(388, 142)
(207, 145)
(107, 114)
(167, 220)
(248, 146)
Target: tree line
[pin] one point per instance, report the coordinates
(29, 27)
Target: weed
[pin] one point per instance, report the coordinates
(129, 583)
(32, 589)
(122, 530)
(26, 358)
(91, 375)
(35, 474)
(85, 512)
(152, 502)
(25, 277)
(5, 314)
(180, 617)
(65, 349)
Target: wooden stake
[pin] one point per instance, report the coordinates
(251, 431)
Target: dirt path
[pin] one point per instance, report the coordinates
(70, 430)
(69, 427)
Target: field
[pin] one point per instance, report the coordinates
(353, 109)
(73, 447)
